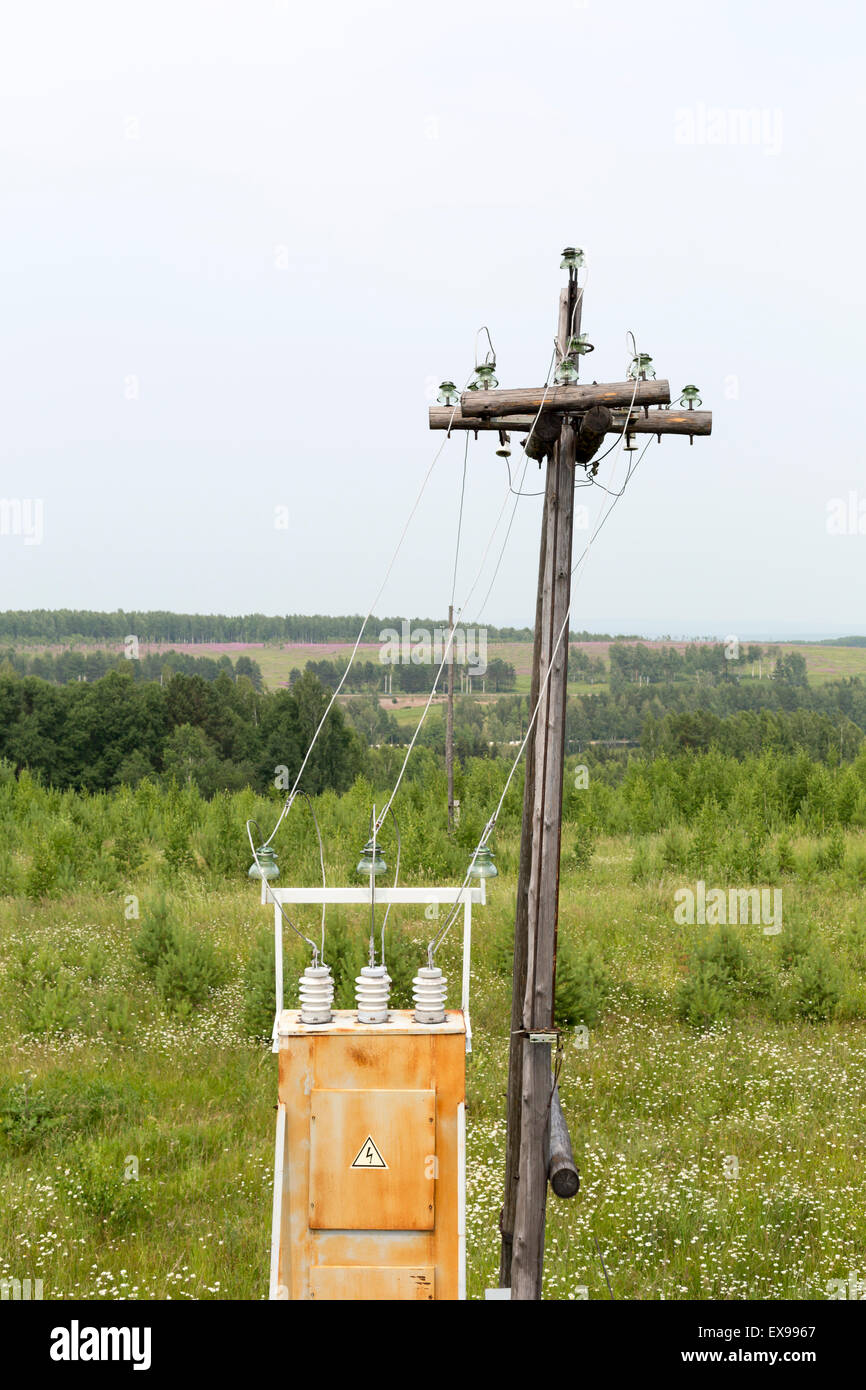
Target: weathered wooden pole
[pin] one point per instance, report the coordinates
(565, 424)
(518, 987)
(542, 828)
(449, 724)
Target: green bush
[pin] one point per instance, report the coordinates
(675, 849)
(52, 1008)
(721, 974)
(794, 943)
(184, 966)
(177, 847)
(585, 842)
(817, 986)
(259, 986)
(99, 1182)
(157, 936)
(402, 957)
(189, 971)
(259, 982)
(642, 864)
(831, 852)
(49, 999)
(26, 1116)
(785, 860)
(704, 997)
(127, 849)
(10, 880)
(582, 984)
(346, 950)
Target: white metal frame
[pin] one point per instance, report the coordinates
(276, 1291)
(361, 897)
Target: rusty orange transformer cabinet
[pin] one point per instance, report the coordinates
(369, 1190)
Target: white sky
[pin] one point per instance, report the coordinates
(286, 221)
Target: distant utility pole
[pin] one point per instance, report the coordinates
(449, 725)
(572, 423)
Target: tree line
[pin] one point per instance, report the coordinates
(156, 625)
(409, 678)
(63, 667)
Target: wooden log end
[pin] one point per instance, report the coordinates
(564, 1178)
(562, 1171)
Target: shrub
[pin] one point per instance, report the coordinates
(831, 852)
(641, 863)
(582, 984)
(259, 982)
(127, 849)
(704, 997)
(100, 1184)
(402, 957)
(794, 943)
(224, 844)
(345, 951)
(720, 972)
(817, 986)
(855, 869)
(48, 998)
(259, 986)
(584, 844)
(785, 855)
(177, 842)
(26, 1116)
(9, 876)
(675, 849)
(184, 966)
(51, 1008)
(189, 971)
(158, 935)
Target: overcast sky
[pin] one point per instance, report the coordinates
(242, 240)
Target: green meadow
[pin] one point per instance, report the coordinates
(711, 1075)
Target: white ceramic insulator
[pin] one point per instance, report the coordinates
(317, 994)
(428, 991)
(372, 988)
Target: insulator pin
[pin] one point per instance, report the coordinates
(372, 988)
(429, 988)
(316, 987)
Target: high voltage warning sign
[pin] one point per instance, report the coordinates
(368, 1156)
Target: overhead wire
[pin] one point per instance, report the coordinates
(456, 616)
(439, 936)
(287, 805)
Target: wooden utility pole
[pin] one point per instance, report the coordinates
(543, 895)
(567, 425)
(449, 724)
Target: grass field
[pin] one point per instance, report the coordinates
(717, 1163)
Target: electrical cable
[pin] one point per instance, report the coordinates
(456, 617)
(439, 936)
